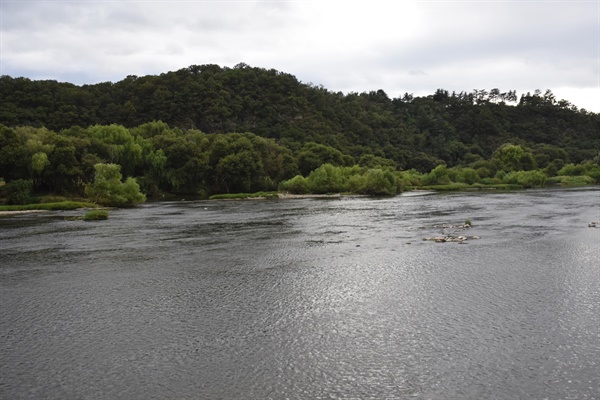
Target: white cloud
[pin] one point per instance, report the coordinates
(414, 46)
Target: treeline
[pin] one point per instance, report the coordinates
(92, 161)
(455, 129)
(162, 159)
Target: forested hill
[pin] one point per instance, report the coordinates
(414, 132)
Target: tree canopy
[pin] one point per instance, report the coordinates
(209, 129)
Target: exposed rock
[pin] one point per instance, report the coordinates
(593, 224)
(448, 226)
(454, 239)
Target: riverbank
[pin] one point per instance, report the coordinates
(4, 213)
(41, 207)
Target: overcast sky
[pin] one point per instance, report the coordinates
(348, 46)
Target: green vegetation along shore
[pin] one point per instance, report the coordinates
(211, 131)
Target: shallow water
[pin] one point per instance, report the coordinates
(306, 299)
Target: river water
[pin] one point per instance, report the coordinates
(306, 299)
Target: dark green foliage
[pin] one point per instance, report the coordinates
(413, 132)
(19, 191)
(55, 133)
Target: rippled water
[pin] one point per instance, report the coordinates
(306, 299)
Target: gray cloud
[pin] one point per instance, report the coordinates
(345, 46)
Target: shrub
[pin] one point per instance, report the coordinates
(108, 189)
(296, 185)
(379, 182)
(484, 172)
(326, 179)
(571, 180)
(52, 199)
(437, 176)
(95, 215)
(594, 173)
(240, 196)
(526, 179)
(64, 205)
(571, 170)
(412, 177)
(468, 175)
(19, 191)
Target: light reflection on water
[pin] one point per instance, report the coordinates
(306, 299)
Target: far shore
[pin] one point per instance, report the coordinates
(20, 212)
(309, 196)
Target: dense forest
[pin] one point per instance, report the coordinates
(209, 129)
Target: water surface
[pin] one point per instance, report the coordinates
(306, 299)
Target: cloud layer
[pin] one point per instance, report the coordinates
(416, 46)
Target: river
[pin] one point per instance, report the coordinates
(306, 299)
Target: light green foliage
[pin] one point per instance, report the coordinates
(588, 168)
(571, 180)
(526, 179)
(412, 177)
(437, 176)
(108, 189)
(95, 215)
(296, 185)
(39, 161)
(116, 144)
(326, 179)
(331, 179)
(467, 175)
(572, 170)
(62, 205)
(594, 172)
(151, 129)
(514, 158)
(379, 182)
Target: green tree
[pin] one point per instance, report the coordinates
(108, 189)
(379, 182)
(326, 179)
(437, 176)
(63, 173)
(514, 158)
(296, 185)
(19, 191)
(467, 175)
(313, 155)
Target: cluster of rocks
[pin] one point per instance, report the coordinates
(594, 225)
(448, 226)
(456, 239)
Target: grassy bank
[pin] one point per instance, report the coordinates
(475, 186)
(241, 196)
(62, 205)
